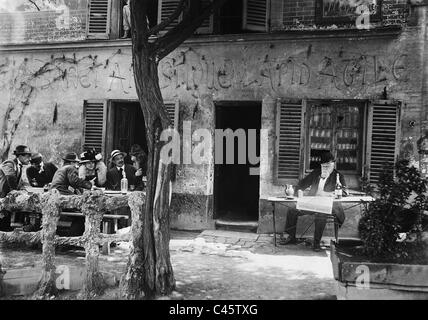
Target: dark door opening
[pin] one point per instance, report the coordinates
(236, 186)
(128, 127)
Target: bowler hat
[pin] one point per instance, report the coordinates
(327, 157)
(115, 153)
(21, 150)
(36, 158)
(71, 157)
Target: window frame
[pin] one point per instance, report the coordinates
(321, 20)
(366, 136)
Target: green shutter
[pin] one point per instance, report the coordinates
(94, 125)
(98, 23)
(383, 137)
(255, 15)
(290, 140)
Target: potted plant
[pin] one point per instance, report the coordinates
(391, 260)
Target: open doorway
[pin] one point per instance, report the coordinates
(236, 186)
(126, 127)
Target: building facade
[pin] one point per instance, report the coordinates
(305, 75)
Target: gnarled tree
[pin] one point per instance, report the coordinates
(149, 272)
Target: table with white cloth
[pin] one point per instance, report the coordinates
(316, 204)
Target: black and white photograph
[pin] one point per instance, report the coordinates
(213, 154)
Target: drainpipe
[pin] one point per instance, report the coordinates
(419, 11)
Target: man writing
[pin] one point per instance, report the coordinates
(322, 182)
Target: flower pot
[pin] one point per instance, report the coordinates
(360, 279)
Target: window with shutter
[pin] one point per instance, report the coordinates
(98, 22)
(383, 136)
(255, 15)
(94, 125)
(290, 140)
(165, 9)
(172, 107)
(207, 25)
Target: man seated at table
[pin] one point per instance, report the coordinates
(322, 182)
(120, 170)
(40, 173)
(66, 180)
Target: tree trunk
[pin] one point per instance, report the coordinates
(151, 232)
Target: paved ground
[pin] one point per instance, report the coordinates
(220, 265)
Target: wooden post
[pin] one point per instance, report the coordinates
(131, 281)
(51, 211)
(93, 207)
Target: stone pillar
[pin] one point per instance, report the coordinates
(93, 207)
(134, 276)
(51, 211)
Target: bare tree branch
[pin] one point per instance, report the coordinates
(161, 26)
(185, 29)
(31, 1)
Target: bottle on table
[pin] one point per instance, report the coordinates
(124, 184)
(338, 189)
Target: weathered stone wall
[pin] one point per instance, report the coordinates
(43, 91)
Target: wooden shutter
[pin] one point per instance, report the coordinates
(290, 140)
(383, 137)
(172, 107)
(94, 125)
(165, 9)
(255, 15)
(206, 26)
(98, 22)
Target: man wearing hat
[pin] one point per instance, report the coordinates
(11, 171)
(119, 170)
(322, 182)
(40, 173)
(66, 180)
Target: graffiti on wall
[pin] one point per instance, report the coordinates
(258, 68)
(341, 70)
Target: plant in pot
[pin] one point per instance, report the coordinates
(392, 259)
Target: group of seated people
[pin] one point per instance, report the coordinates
(76, 174)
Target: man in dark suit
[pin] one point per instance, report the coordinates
(120, 170)
(40, 173)
(11, 171)
(322, 182)
(10, 179)
(66, 180)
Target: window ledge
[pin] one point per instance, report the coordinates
(382, 32)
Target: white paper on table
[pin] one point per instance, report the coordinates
(316, 204)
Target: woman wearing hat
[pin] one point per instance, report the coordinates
(66, 180)
(91, 167)
(139, 160)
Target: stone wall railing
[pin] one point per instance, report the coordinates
(93, 205)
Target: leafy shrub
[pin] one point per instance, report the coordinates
(398, 208)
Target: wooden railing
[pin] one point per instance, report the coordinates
(93, 205)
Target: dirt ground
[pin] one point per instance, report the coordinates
(217, 268)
